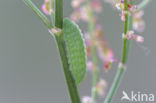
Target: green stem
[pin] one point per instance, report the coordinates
(94, 83)
(143, 4)
(59, 13)
(72, 88)
(114, 85)
(38, 13)
(130, 27)
(52, 12)
(124, 57)
(95, 73)
(124, 48)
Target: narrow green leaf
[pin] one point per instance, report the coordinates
(75, 50)
(38, 13)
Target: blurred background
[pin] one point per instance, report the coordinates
(30, 71)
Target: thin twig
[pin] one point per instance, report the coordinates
(143, 4)
(39, 13)
(124, 57)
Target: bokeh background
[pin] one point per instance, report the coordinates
(30, 71)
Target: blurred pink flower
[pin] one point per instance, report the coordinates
(88, 44)
(46, 7)
(96, 5)
(138, 38)
(122, 16)
(138, 22)
(119, 6)
(105, 53)
(80, 14)
(76, 3)
(132, 9)
(101, 87)
(90, 66)
(130, 35)
(87, 99)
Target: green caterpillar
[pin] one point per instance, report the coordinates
(75, 50)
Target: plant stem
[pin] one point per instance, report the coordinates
(95, 73)
(72, 88)
(143, 4)
(125, 49)
(94, 83)
(129, 27)
(39, 13)
(59, 13)
(94, 59)
(52, 12)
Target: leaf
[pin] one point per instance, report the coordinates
(75, 50)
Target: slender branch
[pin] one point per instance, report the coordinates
(59, 13)
(94, 83)
(38, 13)
(95, 73)
(94, 59)
(143, 4)
(114, 85)
(72, 88)
(130, 27)
(125, 49)
(52, 11)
